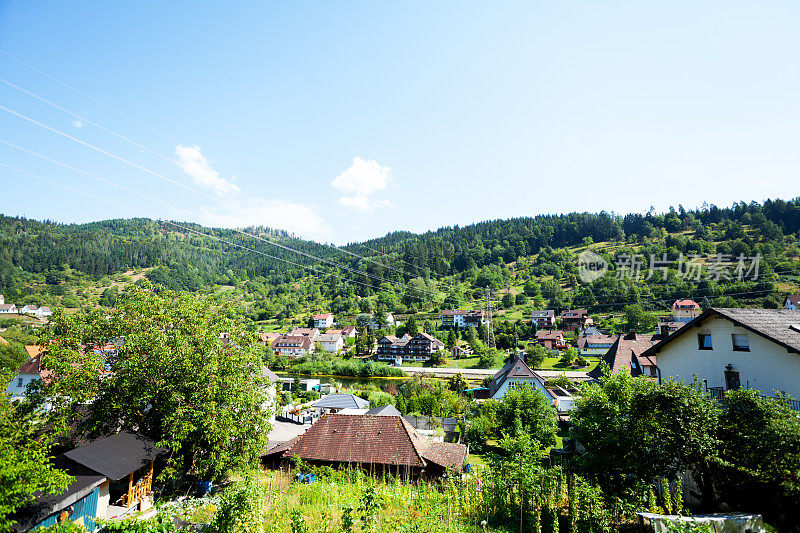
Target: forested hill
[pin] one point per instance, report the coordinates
(532, 258)
(483, 243)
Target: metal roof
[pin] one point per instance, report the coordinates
(341, 401)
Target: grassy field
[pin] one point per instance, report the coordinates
(554, 363)
(274, 503)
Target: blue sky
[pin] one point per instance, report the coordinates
(341, 121)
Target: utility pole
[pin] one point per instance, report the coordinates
(488, 295)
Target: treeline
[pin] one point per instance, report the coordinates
(457, 249)
(40, 262)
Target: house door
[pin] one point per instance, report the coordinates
(732, 380)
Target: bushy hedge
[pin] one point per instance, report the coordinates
(349, 368)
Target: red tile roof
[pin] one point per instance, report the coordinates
(323, 316)
(685, 304)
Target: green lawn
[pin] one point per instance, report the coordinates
(554, 363)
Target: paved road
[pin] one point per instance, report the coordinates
(480, 373)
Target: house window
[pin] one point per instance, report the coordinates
(19, 382)
(740, 343)
(704, 341)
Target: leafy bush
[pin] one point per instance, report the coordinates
(241, 506)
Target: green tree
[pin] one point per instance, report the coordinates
(760, 450)
(436, 358)
(457, 383)
(637, 431)
(451, 339)
(636, 319)
(12, 356)
(526, 407)
(507, 301)
(531, 288)
(25, 466)
(172, 379)
(535, 355)
(568, 356)
(411, 326)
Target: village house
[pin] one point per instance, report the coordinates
(595, 344)
(516, 372)
(6, 309)
(312, 333)
(292, 345)
(268, 337)
(552, 340)
(733, 348)
(544, 319)
(572, 319)
(668, 327)
(390, 347)
(323, 321)
(31, 370)
(462, 319)
(626, 353)
(792, 302)
(377, 444)
(685, 310)
(417, 348)
(348, 332)
(331, 342)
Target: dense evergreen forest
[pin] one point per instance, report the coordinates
(532, 259)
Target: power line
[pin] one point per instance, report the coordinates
(147, 215)
(88, 121)
(138, 145)
(109, 154)
(93, 176)
(92, 98)
(310, 256)
(135, 165)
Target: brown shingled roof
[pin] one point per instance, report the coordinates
(367, 439)
(627, 350)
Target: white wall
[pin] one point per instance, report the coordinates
(766, 367)
(19, 390)
(103, 499)
(538, 385)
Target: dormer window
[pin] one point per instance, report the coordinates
(740, 342)
(704, 341)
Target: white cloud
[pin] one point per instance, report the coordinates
(194, 163)
(279, 214)
(360, 181)
(78, 123)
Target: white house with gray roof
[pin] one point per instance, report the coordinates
(735, 348)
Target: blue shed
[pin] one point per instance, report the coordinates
(77, 503)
